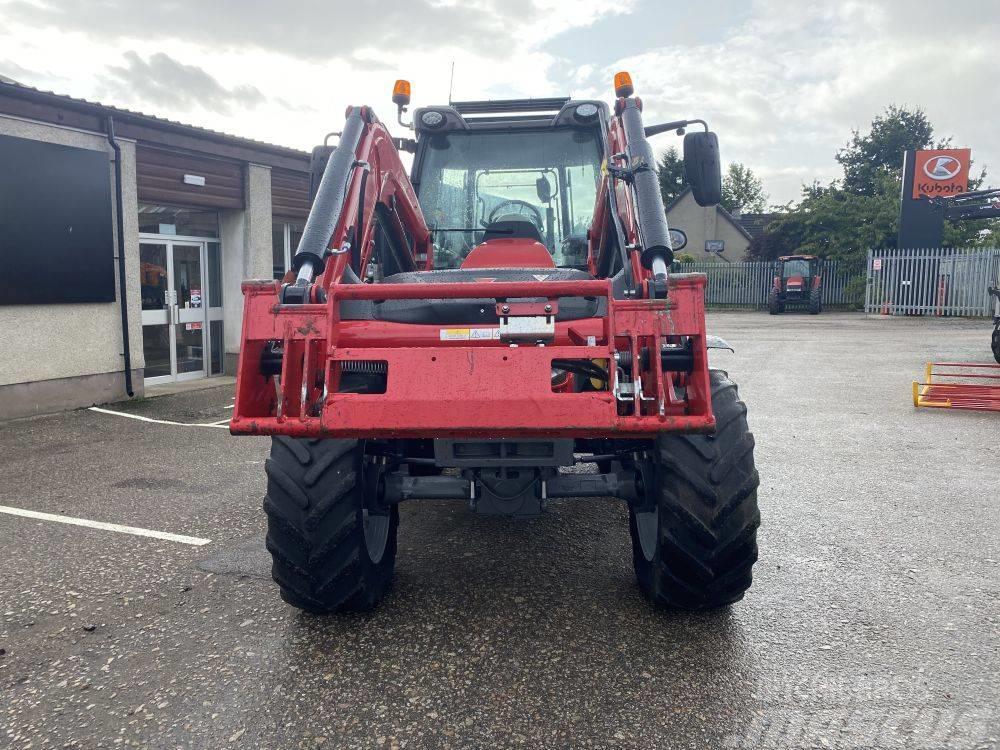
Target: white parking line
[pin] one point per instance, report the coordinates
(134, 530)
(221, 424)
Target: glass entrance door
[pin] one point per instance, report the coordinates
(175, 309)
(189, 311)
(154, 281)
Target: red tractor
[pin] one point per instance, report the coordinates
(475, 330)
(797, 283)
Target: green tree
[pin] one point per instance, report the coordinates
(670, 170)
(847, 217)
(742, 191)
(869, 157)
(834, 223)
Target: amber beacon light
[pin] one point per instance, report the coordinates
(623, 84)
(401, 93)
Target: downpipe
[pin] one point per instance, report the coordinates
(120, 228)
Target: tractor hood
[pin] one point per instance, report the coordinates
(509, 252)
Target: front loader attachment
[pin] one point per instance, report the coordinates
(645, 365)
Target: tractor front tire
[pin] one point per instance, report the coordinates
(773, 303)
(695, 546)
(996, 343)
(328, 552)
(815, 301)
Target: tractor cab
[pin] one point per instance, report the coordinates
(798, 270)
(796, 282)
(509, 184)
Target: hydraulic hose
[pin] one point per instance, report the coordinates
(310, 256)
(654, 233)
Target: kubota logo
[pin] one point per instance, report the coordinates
(942, 167)
(943, 171)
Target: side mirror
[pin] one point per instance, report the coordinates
(678, 239)
(702, 168)
(543, 189)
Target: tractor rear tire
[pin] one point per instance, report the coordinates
(773, 303)
(328, 552)
(696, 549)
(996, 343)
(815, 302)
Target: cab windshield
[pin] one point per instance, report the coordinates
(795, 268)
(470, 180)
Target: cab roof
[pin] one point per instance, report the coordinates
(508, 114)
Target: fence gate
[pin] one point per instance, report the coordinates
(932, 281)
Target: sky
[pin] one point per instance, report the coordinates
(782, 82)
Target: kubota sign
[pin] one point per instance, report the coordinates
(941, 172)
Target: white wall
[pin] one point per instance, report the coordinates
(246, 252)
(706, 223)
(55, 356)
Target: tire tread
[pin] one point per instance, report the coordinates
(707, 502)
(314, 531)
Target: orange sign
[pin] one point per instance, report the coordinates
(941, 172)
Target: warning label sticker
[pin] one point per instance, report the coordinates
(469, 334)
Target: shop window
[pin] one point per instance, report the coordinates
(215, 336)
(185, 222)
(285, 236)
(56, 241)
(214, 274)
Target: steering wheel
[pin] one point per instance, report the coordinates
(535, 218)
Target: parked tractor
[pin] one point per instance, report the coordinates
(797, 283)
(475, 330)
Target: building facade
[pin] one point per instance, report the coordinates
(713, 233)
(91, 196)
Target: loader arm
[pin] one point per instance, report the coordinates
(630, 218)
(364, 175)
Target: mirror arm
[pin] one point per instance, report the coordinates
(678, 125)
(400, 109)
(405, 144)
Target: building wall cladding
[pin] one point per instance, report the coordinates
(289, 193)
(60, 356)
(160, 179)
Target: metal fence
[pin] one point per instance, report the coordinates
(747, 284)
(931, 281)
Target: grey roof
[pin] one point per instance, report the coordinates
(20, 90)
(756, 224)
